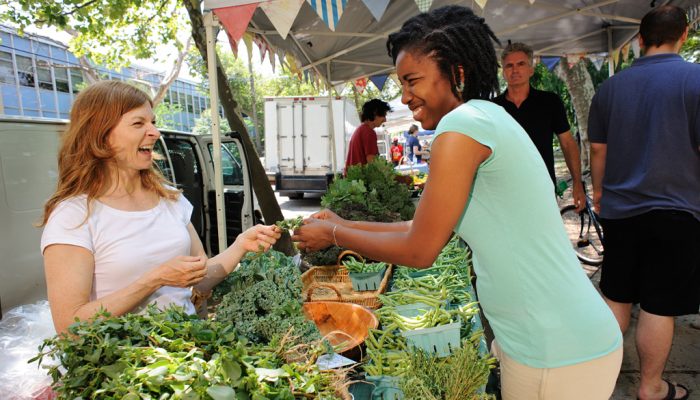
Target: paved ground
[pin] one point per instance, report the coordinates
(684, 361)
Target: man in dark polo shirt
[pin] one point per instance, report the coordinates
(540, 113)
(363, 143)
(644, 127)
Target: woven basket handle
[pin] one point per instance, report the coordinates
(317, 285)
(346, 253)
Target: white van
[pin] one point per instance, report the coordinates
(28, 175)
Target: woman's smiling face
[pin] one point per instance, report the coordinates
(426, 91)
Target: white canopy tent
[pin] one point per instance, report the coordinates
(356, 48)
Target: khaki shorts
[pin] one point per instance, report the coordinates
(590, 380)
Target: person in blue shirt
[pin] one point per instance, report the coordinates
(644, 129)
(554, 335)
(415, 150)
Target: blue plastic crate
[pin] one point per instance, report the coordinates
(365, 281)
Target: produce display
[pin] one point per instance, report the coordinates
(259, 344)
(427, 338)
(171, 355)
(263, 299)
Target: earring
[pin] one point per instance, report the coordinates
(460, 87)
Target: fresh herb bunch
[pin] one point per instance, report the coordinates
(264, 299)
(171, 355)
(459, 377)
(290, 224)
(356, 266)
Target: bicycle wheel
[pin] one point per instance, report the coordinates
(585, 239)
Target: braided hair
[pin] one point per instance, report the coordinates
(453, 36)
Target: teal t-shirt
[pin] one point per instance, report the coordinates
(542, 307)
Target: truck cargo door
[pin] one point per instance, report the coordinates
(316, 140)
(285, 137)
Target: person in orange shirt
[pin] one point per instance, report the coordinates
(396, 152)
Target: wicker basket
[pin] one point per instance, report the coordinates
(332, 283)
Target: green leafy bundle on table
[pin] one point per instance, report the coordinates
(264, 299)
(370, 193)
(171, 355)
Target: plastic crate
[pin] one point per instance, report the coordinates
(385, 387)
(366, 281)
(441, 340)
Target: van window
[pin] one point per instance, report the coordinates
(162, 162)
(230, 163)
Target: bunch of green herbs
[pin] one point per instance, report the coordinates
(171, 355)
(461, 376)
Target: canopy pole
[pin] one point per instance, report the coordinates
(331, 124)
(611, 60)
(210, 23)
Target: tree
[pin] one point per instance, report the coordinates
(580, 86)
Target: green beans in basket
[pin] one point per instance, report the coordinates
(354, 265)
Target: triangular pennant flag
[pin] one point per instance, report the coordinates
(376, 7)
(396, 80)
(292, 63)
(330, 11)
(482, 3)
(263, 46)
(248, 40)
(360, 85)
(615, 56)
(424, 5)
(597, 60)
(379, 81)
(626, 51)
(282, 14)
(339, 88)
(235, 19)
(550, 62)
(635, 47)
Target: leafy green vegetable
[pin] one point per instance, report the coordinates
(264, 299)
(370, 193)
(171, 355)
(290, 224)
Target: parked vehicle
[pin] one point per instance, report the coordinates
(299, 146)
(28, 174)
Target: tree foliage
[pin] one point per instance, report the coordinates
(109, 32)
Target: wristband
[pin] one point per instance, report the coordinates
(334, 239)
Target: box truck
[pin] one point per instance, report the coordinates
(28, 174)
(306, 141)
